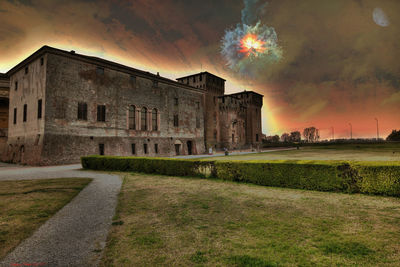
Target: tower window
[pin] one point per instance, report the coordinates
(176, 101)
(156, 148)
(101, 113)
(41, 61)
(16, 86)
(154, 119)
(15, 116)
(133, 146)
(39, 114)
(26, 70)
(176, 120)
(25, 112)
(144, 119)
(132, 117)
(145, 149)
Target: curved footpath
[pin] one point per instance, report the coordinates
(76, 234)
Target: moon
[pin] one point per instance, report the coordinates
(380, 17)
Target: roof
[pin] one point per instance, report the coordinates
(204, 72)
(245, 92)
(98, 61)
(3, 75)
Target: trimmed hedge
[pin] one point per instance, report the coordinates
(382, 178)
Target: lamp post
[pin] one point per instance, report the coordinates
(377, 129)
(351, 131)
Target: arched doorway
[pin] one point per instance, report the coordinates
(190, 147)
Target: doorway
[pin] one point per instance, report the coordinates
(189, 146)
(177, 149)
(101, 149)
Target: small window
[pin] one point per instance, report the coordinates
(101, 149)
(41, 61)
(25, 112)
(133, 146)
(39, 107)
(176, 101)
(101, 113)
(156, 148)
(82, 111)
(233, 138)
(100, 70)
(145, 151)
(201, 77)
(256, 137)
(197, 105)
(154, 115)
(155, 83)
(197, 122)
(132, 117)
(15, 116)
(194, 79)
(26, 70)
(176, 120)
(16, 86)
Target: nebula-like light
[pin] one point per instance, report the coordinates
(251, 45)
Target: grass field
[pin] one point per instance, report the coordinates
(363, 152)
(165, 220)
(25, 205)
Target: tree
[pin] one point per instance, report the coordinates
(394, 136)
(295, 136)
(285, 138)
(311, 134)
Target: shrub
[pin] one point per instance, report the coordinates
(382, 178)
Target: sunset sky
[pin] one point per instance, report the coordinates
(340, 63)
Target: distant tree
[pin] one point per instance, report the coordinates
(271, 139)
(275, 138)
(295, 136)
(285, 138)
(311, 134)
(394, 136)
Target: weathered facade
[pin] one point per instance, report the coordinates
(4, 99)
(65, 105)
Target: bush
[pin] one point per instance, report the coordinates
(165, 166)
(382, 178)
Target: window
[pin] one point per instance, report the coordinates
(176, 101)
(256, 137)
(197, 105)
(82, 111)
(25, 112)
(39, 109)
(101, 113)
(176, 120)
(16, 86)
(145, 148)
(26, 70)
(100, 70)
(101, 149)
(132, 117)
(154, 119)
(155, 83)
(201, 77)
(143, 119)
(156, 148)
(194, 79)
(15, 115)
(177, 149)
(197, 122)
(41, 61)
(233, 138)
(133, 149)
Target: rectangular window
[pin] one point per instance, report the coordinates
(145, 148)
(156, 148)
(26, 70)
(101, 149)
(15, 115)
(176, 120)
(82, 111)
(201, 77)
(16, 86)
(39, 109)
(176, 101)
(25, 112)
(101, 113)
(133, 149)
(197, 122)
(100, 70)
(194, 79)
(41, 61)
(256, 137)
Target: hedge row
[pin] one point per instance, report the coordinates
(382, 178)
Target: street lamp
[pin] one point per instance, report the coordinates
(351, 131)
(377, 129)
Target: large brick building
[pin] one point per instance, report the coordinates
(63, 105)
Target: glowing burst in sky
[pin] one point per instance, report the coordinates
(250, 46)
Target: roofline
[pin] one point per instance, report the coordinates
(246, 92)
(204, 72)
(3, 75)
(98, 61)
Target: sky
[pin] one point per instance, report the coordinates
(338, 64)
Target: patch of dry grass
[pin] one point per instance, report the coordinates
(26, 204)
(187, 222)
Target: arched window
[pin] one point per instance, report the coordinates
(154, 119)
(144, 119)
(132, 117)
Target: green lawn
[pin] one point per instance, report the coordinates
(171, 221)
(377, 152)
(25, 205)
